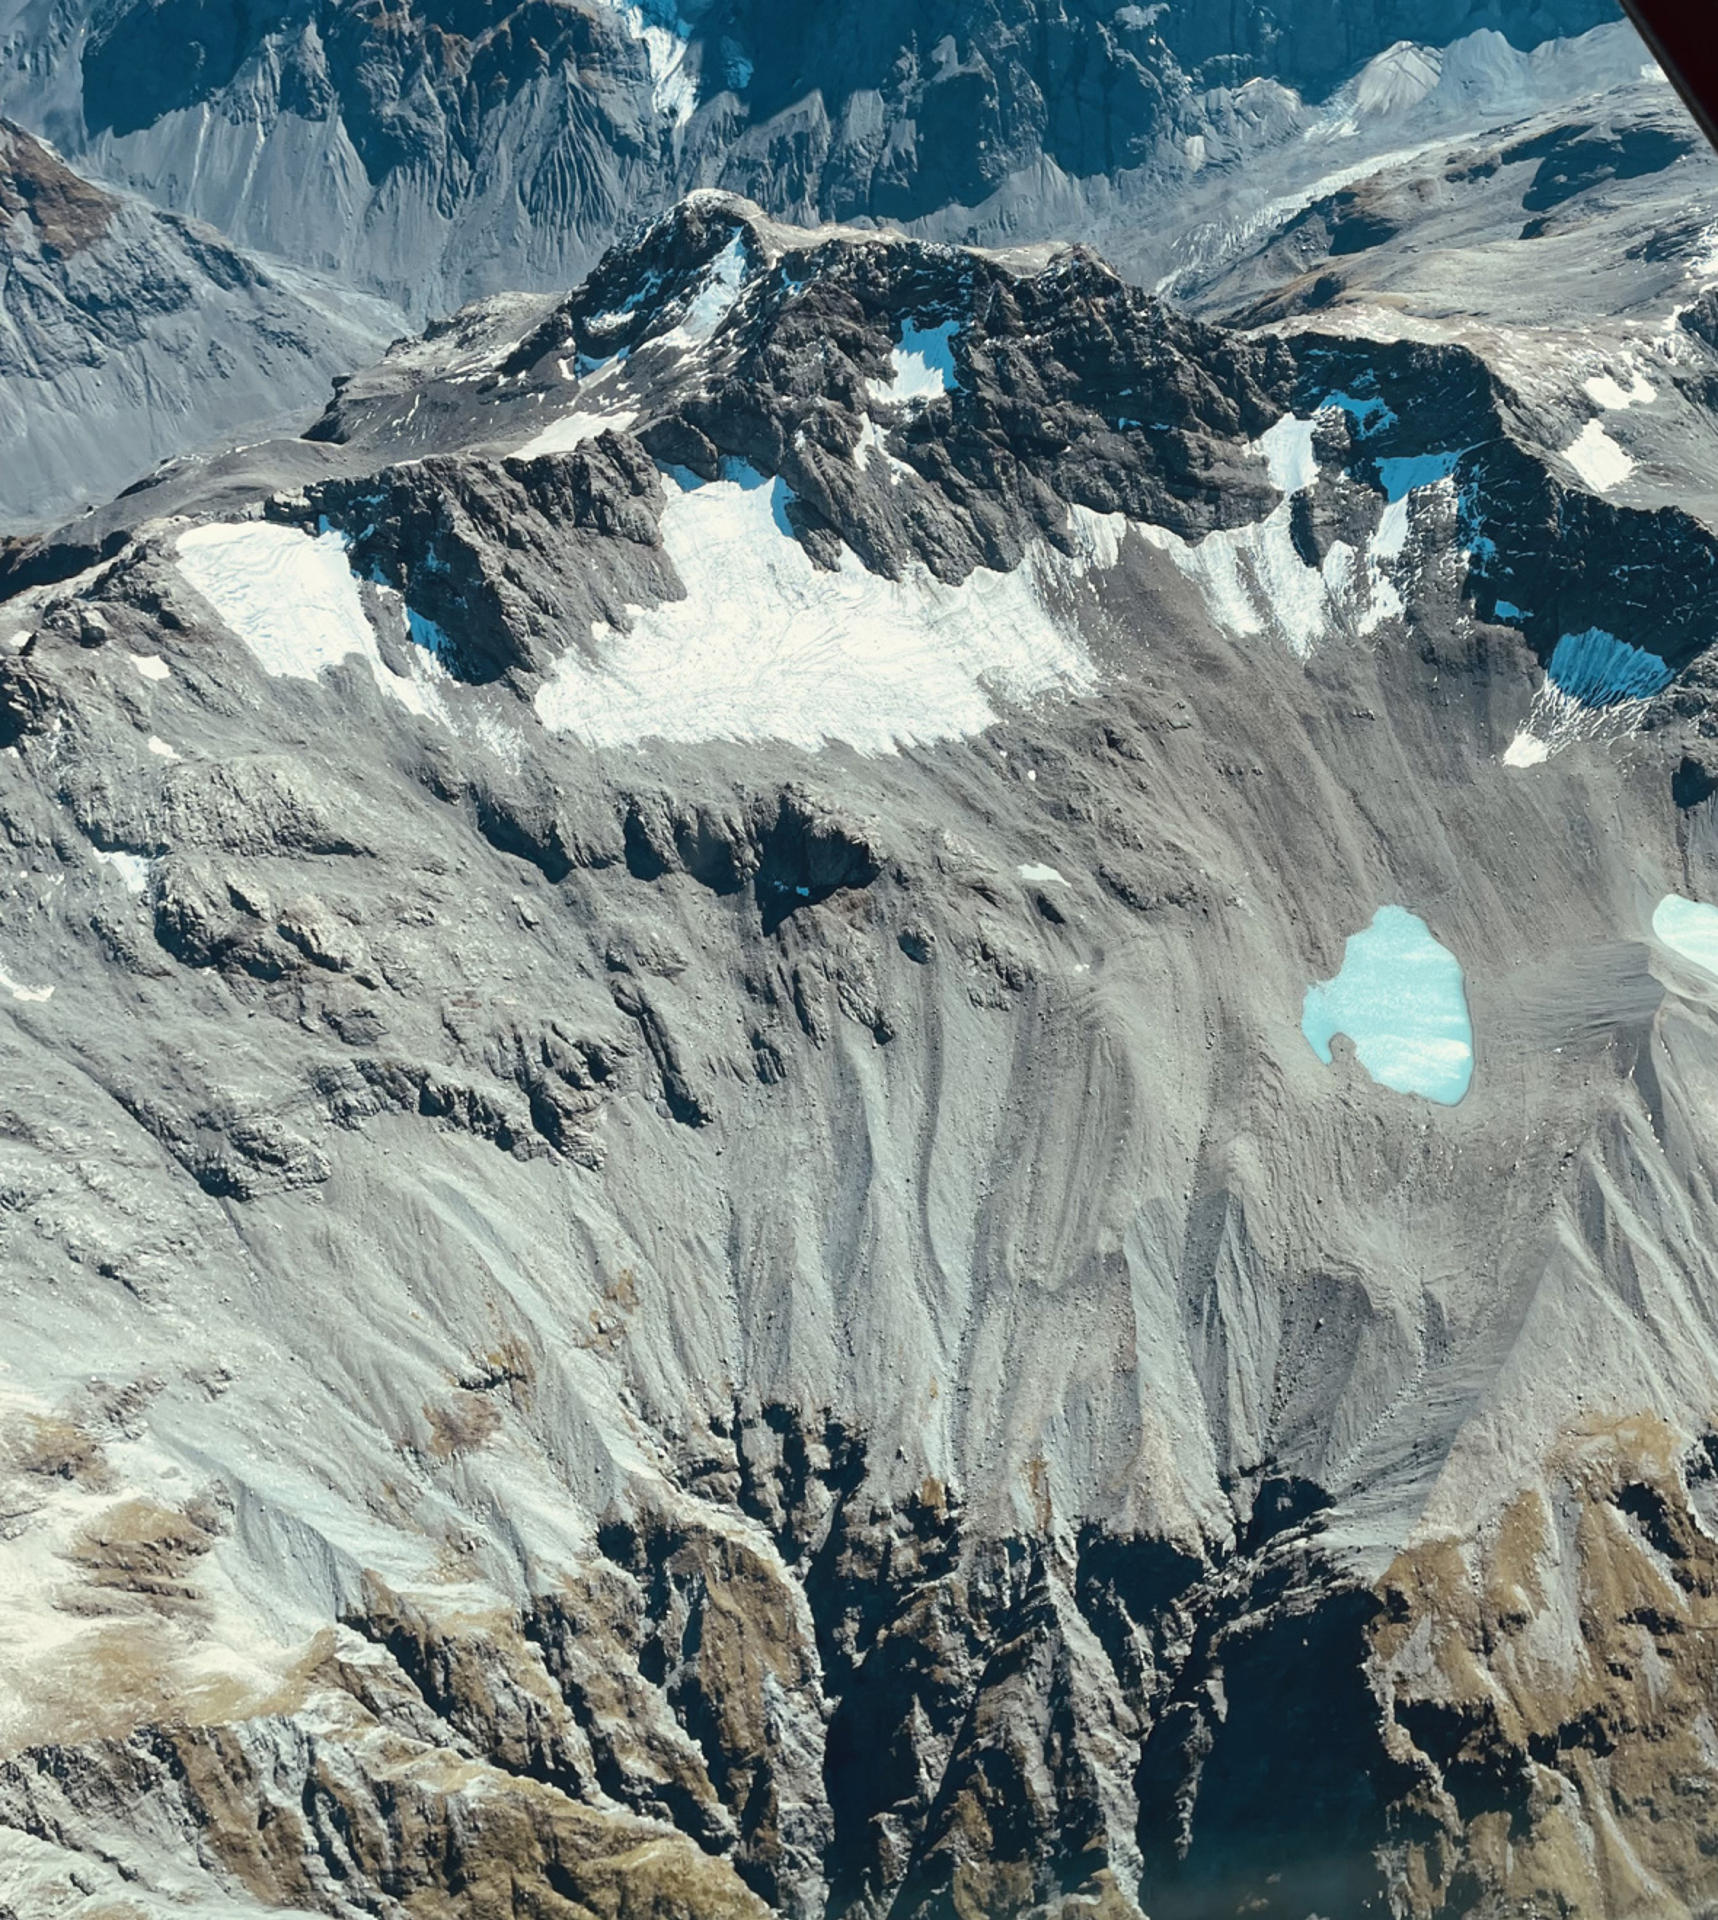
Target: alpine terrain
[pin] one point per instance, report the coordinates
(866, 1069)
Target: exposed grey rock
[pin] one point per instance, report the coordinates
(661, 1317)
(128, 336)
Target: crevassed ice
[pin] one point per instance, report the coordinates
(767, 647)
(291, 598)
(1600, 670)
(1254, 581)
(1595, 687)
(1400, 998)
(923, 365)
(1690, 928)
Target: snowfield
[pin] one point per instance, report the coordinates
(767, 647)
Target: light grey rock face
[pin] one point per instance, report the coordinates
(441, 154)
(668, 1241)
(127, 336)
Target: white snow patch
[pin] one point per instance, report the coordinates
(1526, 750)
(873, 445)
(767, 647)
(150, 665)
(1610, 394)
(1392, 534)
(35, 994)
(159, 747)
(1598, 459)
(573, 430)
(17, 642)
(132, 868)
(1041, 876)
(923, 365)
(1288, 448)
(291, 598)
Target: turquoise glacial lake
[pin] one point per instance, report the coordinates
(1400, 998)
(1690, 928)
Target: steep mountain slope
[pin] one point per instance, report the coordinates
(128, 335)
(439, 153)
(677, 1239)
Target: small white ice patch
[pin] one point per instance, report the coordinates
(573, 430)
(150, 665)
(923, 365)
(131, 868)
(765, 646)
(1614, 398)
(1526, 750)
(34, 995)
(16, 642)
(1598, 459)
(1041, 876)
(1288, 449)
(716, 300)
(160, 748)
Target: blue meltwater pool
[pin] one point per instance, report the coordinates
(1400, 999)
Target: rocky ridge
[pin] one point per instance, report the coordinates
(439, 154)
(129, 336)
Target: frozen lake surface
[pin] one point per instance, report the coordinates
(1400, 999)
(1690, 928)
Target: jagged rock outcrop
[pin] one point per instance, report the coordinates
(435, 156)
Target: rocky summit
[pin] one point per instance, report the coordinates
(855, 1079)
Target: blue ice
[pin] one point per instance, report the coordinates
(746, 477)
(426, 634)
(934, 348)
(1508, 610)
(1399, 478)
(1600, 670)
(1369, 413)
(1400, 999)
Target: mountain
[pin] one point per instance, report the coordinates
(854, 1079)
(439, 153)
(128, 336)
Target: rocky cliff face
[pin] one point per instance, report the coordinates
(670, 1242)
(128, 336)
(442, 153)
